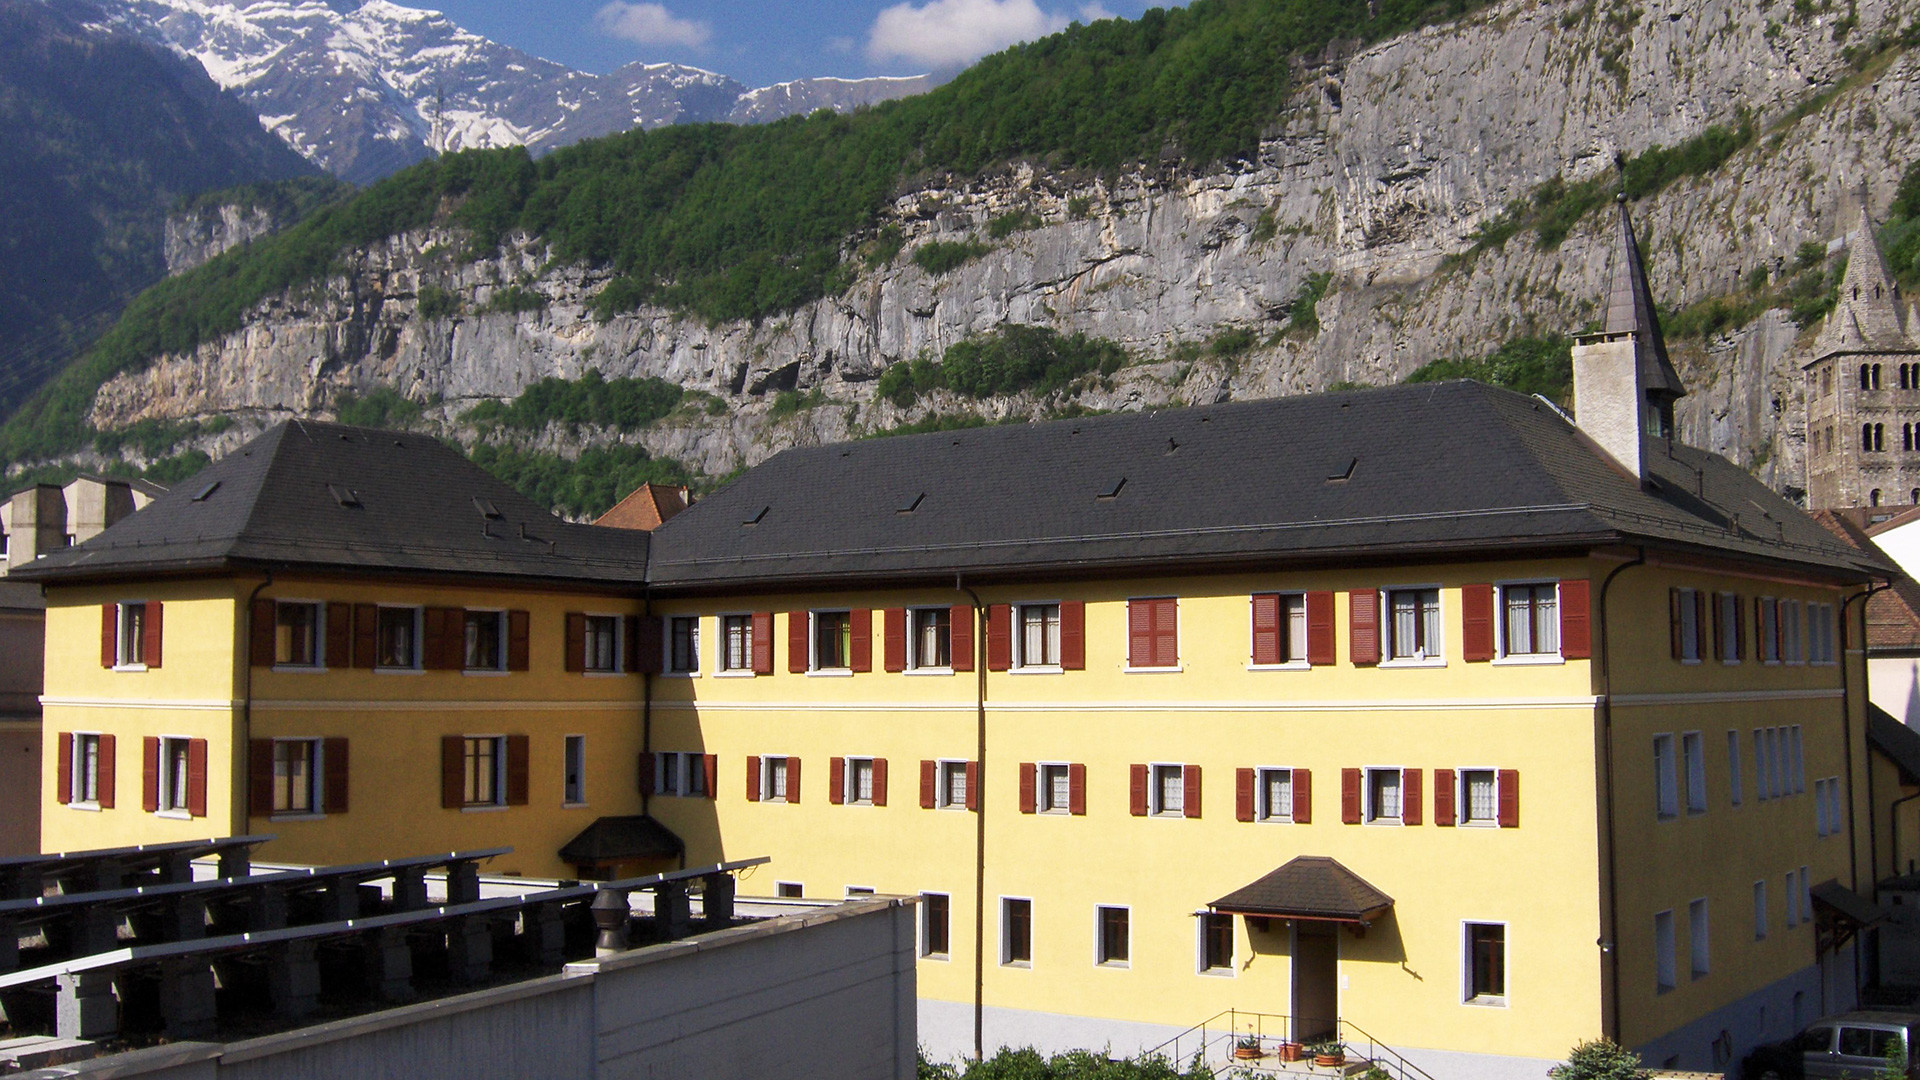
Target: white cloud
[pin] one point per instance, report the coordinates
(650, 24)
(945, 33)
(1094, 12)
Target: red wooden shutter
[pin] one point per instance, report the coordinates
(1137, 790)
(763, 643)
(1139, 633)
(1739, 629)
(339, 636)
(837, 780)
(797, 660)
(1243, 794)
(1719, 632)
(443, 640)
(260, 777)
(150, 647)
(260, 633)
(1073, 635)
(1029, 796)
(649, 770)
(366, 634)
(1363, 625)
(861, 620)
(753, 778)
(63, 783)
(793, 779)
(1190, 797)
(1350, 796)
(109, 635)
(1476, 631)
(973, 785)
(1699, 622)
(648, 643)
(880, 781)
(999, 637)
(710, 764)
(109, 767)
(576, 641)
(893, 628)
(453, 771)
(150, 774)
(1077, 790)
(197, 777)
(1303, 796)
(1320, 627)
(333, 764)
(1443, 789)
(1576, 620)
(961, 619)
(1166, 632)
(1412, 799)
(519, 640)
(929, 782)
(516, 770)
(1509, 781)
(1673, 621)
(1266, 629)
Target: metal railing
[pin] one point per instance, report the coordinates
(1213, 1043)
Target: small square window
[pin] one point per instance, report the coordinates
(399, 638)
(576, 774)
(1169, 790)
(1486, 964)
(603, 643)
(296, 776)
(485, 648)
(1479, 797)
(1016, 931)
(774, 785)
(935, 919)
(1038, 639)
(832, 640)
(683, 644)
(296, 634)
(930, 638)
(953, 785)
(1115, 940)
(1276, 795)
(1383, 795)
(736, 652)
(860, 781)
(788, 890)
(1056, 789)
(1532, 623)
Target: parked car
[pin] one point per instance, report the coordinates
(1852, 1046)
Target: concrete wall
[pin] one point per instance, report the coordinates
(828, 993)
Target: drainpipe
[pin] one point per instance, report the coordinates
(1609, 943)
(979, 819)
(243, 806)
(1846, 728)
(646, 720)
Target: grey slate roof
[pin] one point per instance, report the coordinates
(1899, 742)
(1630, 309)
(1311, 887)
(1410, 471)
(615, 839)
(273, 503)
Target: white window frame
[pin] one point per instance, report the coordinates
(1699, 943)
(1760, 910)
(1099, 937)
(1229, 970)
(79, 771)
(942, 786)
(1020, 664)
(1736, 781)
(121, 645)
(1666, 777)
(1665, 960)
(1461, 802)
(857, 890)
(1367, 812)
(813, 643)
(1043, 791)
(619, 645)
(850, 781)
(721, 670)
(914, 665)
(1156, 802)
(1822, 635)
(499, 774)
(316, 781)
(500, 644)
(175, 789)
(1006, 940)
(419, 645)
(1693, 771)
(320, 658)
(780, 887)
(766, 777)
(1501, 652)
(1436, 656)
(1286, 641)
(1467, 996)
(926, 928)
(1263, 810)
(666, 647)
(573, 761)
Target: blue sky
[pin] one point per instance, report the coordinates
(760, 43)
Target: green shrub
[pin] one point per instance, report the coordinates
(1030, 1064)
(1305, 313)
(1529, 365)
(623, 404)
(1600, 1059)
(514, 299)
(1009, 223)
(1012, 359)
(788, 402)
(1078, 207)
(938, 257)
(384, 407)
(438, 303)
(586, 486)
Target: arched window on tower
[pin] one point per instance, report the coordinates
(1826, 380)
(1866, 437)
(1876, 376)
(1866, 373)
(1906, 437)
(1879, 433)
(1873, 497)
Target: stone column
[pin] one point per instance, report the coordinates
(716, 900)
(543, 935)
(293, 980)
(236, 861)
(463, 882)
(87, 1008)
(672, 913)
(389, 964)
(410, 889)
(186, 998)
(469, 950)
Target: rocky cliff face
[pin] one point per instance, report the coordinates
(1386, 163)
(197, 235)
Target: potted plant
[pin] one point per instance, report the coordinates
(1291, 1050)
(1248, 1048)
(1329, 1054)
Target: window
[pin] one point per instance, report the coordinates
(486, 760)
(1486, 964)
(934, 925)
(1114, 943)
(296, 634)
(775, 774)
(1693, 750)
(398, 645)
(486, 648)
(1153, 633)
(788, 890)
(1736, 783)
(132, 648)
(930, 638)
(736, 632)
(1697, 936)
(1532, 625)
(1767, 624)
(1870, 1043)
(1730, 627)
(1038, 642)
(576, 766)
(1016, 931)
(1793, 900)
(1796, 754)
(1280, 628)
(1664, 977)
(1276, 795)
(1479, 797)
(1821, 647)
(683, 644)
(1760, 910)
(174, 782)
(832, 640)
(859, 890)
(1826, 799)
(296, 776)
(1383, 795)
(1687, 605)
(860, 780)
(1413, 624)
(1793, 632)
(1216, 942)
(603, 643)
(1169, 790)
(953, 785)
(1056, 789)
(86, 769)
(1666, 773)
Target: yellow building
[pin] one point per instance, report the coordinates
(1418, 716)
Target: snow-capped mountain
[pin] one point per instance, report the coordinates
(366, 90)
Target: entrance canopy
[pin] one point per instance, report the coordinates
(1309, 887)
(622, 839)
(1839, 913)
